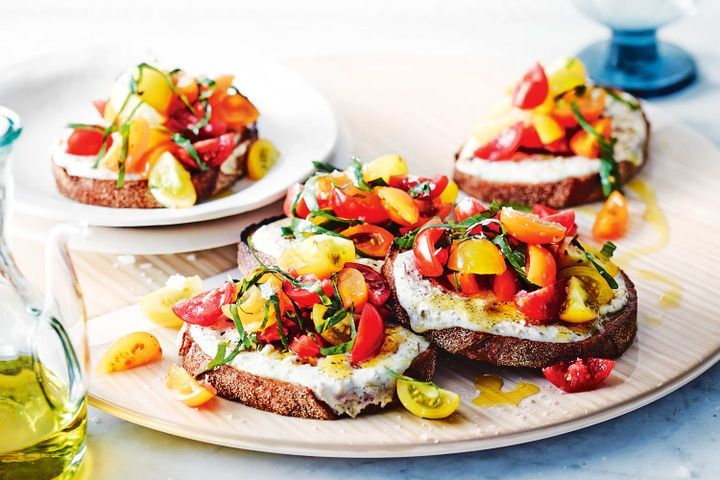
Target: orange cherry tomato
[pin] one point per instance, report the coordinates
(465, 283)
(612, 221)
(541, 268)
(586, 145)
(352, 288)
(370, 336)
(530, 228)
(591, 105)
(506, 285)
(399, 205)
(370, 239)
(186, 85)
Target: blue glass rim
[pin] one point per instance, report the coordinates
(12, 128)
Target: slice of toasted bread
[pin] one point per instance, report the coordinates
(561, 194)
(277, 396)
(611, 340)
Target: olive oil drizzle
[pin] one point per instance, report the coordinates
(491, 393)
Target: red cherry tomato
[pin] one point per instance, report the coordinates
(506, 285)
(543, 211)
(378, 288)
(532, 90)
(205, 309)
(530, 138)
(370, 335)
(214, 128)
(214, 151)
(304, 347)
(502, 147)
(306, 298)
(271, 334)
(464, 283)
(429, 259)
(579, 375)
(540, 305)
(566, 218)
(467, 208)
(436, 185)
(354, 203)
(301, 209)
(84, 142)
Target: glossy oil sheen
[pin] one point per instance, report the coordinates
(491, 394)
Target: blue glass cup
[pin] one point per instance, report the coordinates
(633, 59)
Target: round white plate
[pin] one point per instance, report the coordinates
(678, 338)
(52, 91)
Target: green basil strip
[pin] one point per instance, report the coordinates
(185, 143)
(275, 302)
(329, 216)
(608, 249)
(300, 225)
(407, 240)
(85, 126)
(358, 176)
(336, 349)
(323, 166)
(203, 121)
(515, 258)
(591, 258)
(616, 96)
(333, 320)
(421, 189)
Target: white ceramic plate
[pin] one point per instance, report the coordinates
(52, 91)
(678, 338)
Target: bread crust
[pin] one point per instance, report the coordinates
(277, 396)
(245, 259)
(136, 193)
(564, 193)
(616, 335)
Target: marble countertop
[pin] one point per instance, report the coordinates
(673, 438)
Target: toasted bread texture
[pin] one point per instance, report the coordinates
(277, 396)
(561, 194)
(615, 336)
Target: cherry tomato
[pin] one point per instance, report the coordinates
(235, 110)
(205, 309)
(541, 268)
(100, 106)
(579, 375)
(370, 336)
(214, 151)
(530, 228)
(467, 208)
(85, 142)
(566, 218)
(585, 144)
(271, 334)
(540, 305)
(429, 259)
(354, 203)
(352, 288)
(503, 146)
(370, 239)
(465, 283)
(399, 205)
(506, 285)
(532, 90)
(476, 255)
(530, 138)
(436, 185)
(306, 298)
(301, 209)
(612, 220)
(378, 288)
(590, 102)
(214, 128)
(304, 347)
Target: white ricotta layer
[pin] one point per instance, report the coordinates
(429, 307)
(268, 239)
(345, 389)
(628, 126)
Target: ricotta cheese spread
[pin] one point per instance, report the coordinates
(628, 127)
(269, 240)
(430, 308)
(333, 380)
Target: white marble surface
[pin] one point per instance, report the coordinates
(676, 437)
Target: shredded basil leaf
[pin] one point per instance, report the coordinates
(591, 258)
(421, 189)
(407, 240)
(301, 226)
(323, 166)
(608, 249)
(616, 96)
(516, 258)
(186, 144)
(358, 176)
(329, 216)
(84, 126)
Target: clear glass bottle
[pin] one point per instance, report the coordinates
(43, 353)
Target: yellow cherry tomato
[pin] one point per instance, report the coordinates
(157, 305)
(138, 140)
(251, 310)
(320, 255)
(261, 158)
(547, 128)
(170, 183)
(130, 351)
(154, 87)
(335, 335)
(450, 194)
(384, 167)
(577, 307)
(566, 74)
(593, 282)
(571, 255)
(399, 205)
(476, 255)
(186, 389)
(425, 399)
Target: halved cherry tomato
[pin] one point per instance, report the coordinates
(304, 347)
(506, 285)
(370, 239)
(585, 144)
(301, 209)
(541, 268)
(305, 297)
(100, 105)
(579, 375)
(352, 288)
(370, 336)
(206, 309)
(590, 102)
(542, 304)
(357, 204)
(530, 138)
(214, 151)
(530, 228)
(566, 218)
(503, 146)
(85, 142)
(271, 333)
(612, 219)
(467, 208)
(186, 85)
(425, 399)
(532, 90)
(191, 392)
(476, 255)
(429, 259)
(429, 208)
(465, 283)
(378, 288)
(399, 205)
(235, 110)
(435, 186)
